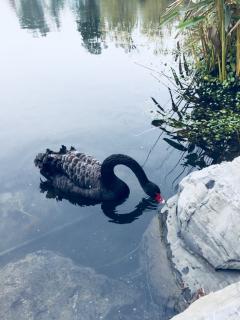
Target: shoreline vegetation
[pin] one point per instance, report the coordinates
(205, 121)
(211, 30)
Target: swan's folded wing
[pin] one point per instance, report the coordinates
(82, 169)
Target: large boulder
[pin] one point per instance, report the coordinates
(221, 305)
(208, 214)
(201, 229)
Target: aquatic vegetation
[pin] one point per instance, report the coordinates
(206, 115)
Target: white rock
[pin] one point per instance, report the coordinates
(208, 214)
(221, 305)
(202, 229)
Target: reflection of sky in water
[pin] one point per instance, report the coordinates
(55, 91)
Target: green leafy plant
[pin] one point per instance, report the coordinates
(212, 30)
(206, 115)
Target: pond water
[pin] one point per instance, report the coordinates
(81, 73)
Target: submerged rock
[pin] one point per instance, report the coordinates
(160, 276)
(223, 304)
(44, 285)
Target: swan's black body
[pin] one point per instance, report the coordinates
(80, 175)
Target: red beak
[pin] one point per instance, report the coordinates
(159, 198)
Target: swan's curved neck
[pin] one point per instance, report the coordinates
(107, 169)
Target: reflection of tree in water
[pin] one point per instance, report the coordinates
(120, 20)
(55, 8)
(33, 14)
(98, 21)
(12, 3)
(88, 24)
(150, 12)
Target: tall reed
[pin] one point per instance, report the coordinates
(214, 27)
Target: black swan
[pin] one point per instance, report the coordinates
(82, 176)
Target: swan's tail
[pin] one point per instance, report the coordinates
(49, 162)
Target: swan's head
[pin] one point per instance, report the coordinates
(153, 191)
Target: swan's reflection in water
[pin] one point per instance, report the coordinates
(109, 208)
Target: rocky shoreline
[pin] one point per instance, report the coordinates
(200, 228)
(220, 305)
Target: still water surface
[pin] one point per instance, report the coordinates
(78, 73)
